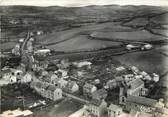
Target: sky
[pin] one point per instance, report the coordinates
(79, 3)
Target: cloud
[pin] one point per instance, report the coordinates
(77, 3)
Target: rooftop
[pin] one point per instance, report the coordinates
(135, 83)
(113, 107)
(88, 86)
(16, 113)
(142, 100)
(95, 102)
(51, 88)
(100, 92)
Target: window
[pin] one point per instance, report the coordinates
(119, 112)
(18, 73)
(13, 73)
(123, 99)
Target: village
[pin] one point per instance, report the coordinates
(105, 87)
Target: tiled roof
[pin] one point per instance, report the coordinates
(142, 100)
(100, 92)
(6, 71)
(70, 84)
(113, 107)
(88, 86)
(135, 83)
(96, 102)
(51, 88)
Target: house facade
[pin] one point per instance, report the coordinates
(135, 87)
(53, 93)
(99, 94)
(26, 78)
(47, 91)
(97, 108)
(71, 87)
(114, 110)
(88, 89)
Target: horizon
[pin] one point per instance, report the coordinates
(80, 3)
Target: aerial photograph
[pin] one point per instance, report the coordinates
(83, 58)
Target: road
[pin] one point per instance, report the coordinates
(75, 98)
(23, 46)
(26, 57)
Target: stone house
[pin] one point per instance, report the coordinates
(12, 79)
(47, 91)
(26, 78)
(135, 87)
(88, 89)
(61, 73)
(71, 87)
(114, 110)
(12, 75)
(53, 93)
(97, 108)
(99, 94)
(6, 73)
(111, 84)
(61, 83)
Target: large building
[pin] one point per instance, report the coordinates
(144, 104)
(135, 87)
(88, 89)
(99, 94)
(114, 110)
(97, 108)
(71, 87)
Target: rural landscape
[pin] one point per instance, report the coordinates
(95, 45)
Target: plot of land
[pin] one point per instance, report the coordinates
(63, 109)
(160, 19)
(141, 35)
(82, 43)
(7, 46)
(137, 22)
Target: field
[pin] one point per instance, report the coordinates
(140, 35)
(82, 43)
(63, 109)
(61, 24)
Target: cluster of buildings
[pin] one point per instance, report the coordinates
(102, 109)
(131, 97)
(48, 91)
(130, 86)
(88, 81)
(11, 76)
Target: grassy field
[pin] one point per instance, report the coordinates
(140, 35)
(7, 46)
(60, 23)
(63, 109)
(160, 19)
(81, 42)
